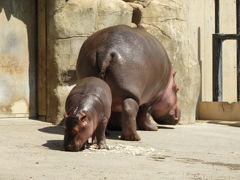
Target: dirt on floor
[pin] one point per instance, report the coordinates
(32, 149)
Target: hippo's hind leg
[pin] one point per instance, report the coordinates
(144, 121)
(128, 120)
(100, 134)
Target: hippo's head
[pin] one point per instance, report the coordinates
(166, 110)
(77, 131)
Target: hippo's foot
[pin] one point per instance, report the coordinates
(102, 145)
(147, 126)
(144, 122)
(131, 137)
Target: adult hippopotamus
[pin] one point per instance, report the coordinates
(88, 108)
(139, 73)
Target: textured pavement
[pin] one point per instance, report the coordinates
(32, 149)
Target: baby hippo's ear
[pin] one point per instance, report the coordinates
(83, 114)
(83, 119)
(83, 122)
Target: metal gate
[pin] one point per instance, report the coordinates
(218, 39)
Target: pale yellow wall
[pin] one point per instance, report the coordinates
(201, 24)
(228, 26)
(17, 59)
(206, 49)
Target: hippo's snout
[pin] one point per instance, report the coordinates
(167, 119)
(171, 118)
(71, 147)
(74, 147)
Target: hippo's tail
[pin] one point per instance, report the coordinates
(103, 61)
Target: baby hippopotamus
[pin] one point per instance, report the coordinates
(88, 108)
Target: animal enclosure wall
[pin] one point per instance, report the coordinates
(185, 28)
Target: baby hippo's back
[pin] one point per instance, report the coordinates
(92, 86)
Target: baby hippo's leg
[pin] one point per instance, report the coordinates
(128, 121)
(100, 134)
(94, 138)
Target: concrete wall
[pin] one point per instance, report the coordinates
(17, 58)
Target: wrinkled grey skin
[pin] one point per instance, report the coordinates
(138, 71)
(88, 108)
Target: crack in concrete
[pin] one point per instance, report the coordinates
(164, 20)
(72, 37)
(162, 32)
(228, 165)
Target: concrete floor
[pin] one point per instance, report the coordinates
(203, 151)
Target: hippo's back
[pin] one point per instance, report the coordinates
(130, 60)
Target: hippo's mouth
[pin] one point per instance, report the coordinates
(74, 148)
(169, 119)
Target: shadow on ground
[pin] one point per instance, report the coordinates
(52, 130)
(54, 145)
(165, 127)
(58, 144)
(114, 135)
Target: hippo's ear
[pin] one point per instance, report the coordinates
(177, 88)
(83, 118)
(174, 74)
(65, 115)
(83, 122)
(83, 113)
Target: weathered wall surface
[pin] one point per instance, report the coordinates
(17, 58)
(71, 22)
(171, 23)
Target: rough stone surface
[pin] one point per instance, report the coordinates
(71, 22)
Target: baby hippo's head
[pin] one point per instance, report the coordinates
(77, 130)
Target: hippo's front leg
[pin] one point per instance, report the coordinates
(100, 134)
(128, 120)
